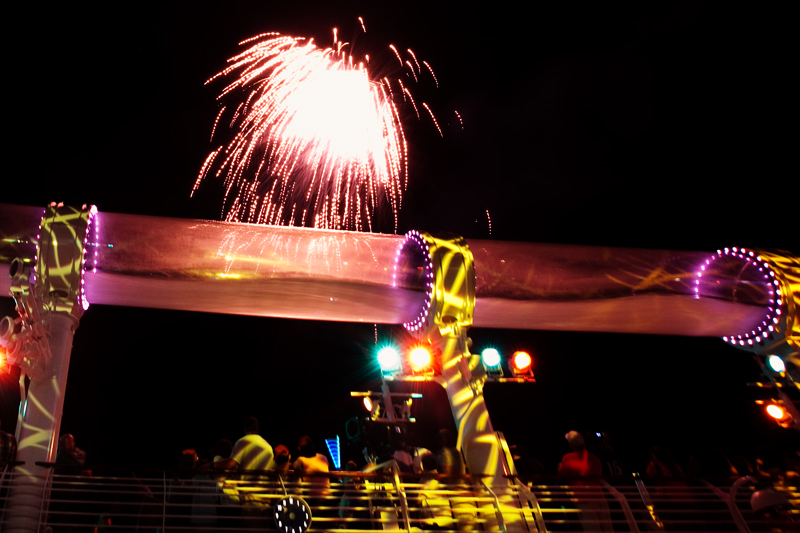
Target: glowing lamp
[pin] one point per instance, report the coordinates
(368, 403)
(490, 357)
(521, 363)
(776, 364)
(389, 359)
(420, 358)
(776, 411)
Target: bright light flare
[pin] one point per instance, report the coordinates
(491, 357)
(521, 361)
(420, 358)
(389, 359)
(776, 363)
(776, 411)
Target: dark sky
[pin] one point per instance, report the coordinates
(632, 125)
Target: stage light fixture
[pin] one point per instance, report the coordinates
(389, 359)
(521, 363)
(776, 364)
(776, 411)
(490, 357)
(420, 359)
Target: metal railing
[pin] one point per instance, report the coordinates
(361, 502)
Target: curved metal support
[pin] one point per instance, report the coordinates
(49, 307)
(537, 510)
(730, 500)
(501, 523)
(626, 509)
(446, 268)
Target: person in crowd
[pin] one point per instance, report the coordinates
(449, 461)
(579, 462)
(310, 462)
(283, 459)
(448, 457)
(251, 452)
(351, 498)
(526, 465)
(435, 509)
(662, 465)
(404, 458)
(708, 461)
(180, 491)
(70, 459)
(8, 448)
(419, 454)
(672, 492)
(221, 450)
(599, 443)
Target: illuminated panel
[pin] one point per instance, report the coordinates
(756, 284)
(333, 449)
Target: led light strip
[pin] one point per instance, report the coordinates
(774, 309)
(92, 222)
(415, 238)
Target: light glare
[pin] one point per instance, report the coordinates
(491, 357)
(389, 359)
(776, 411)
(420, 358)
(776, 363)
(522, 361)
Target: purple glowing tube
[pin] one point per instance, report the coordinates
(314, 274)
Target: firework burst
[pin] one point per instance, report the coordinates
(316, 141)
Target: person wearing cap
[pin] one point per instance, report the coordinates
(593, 509)
(580, 462)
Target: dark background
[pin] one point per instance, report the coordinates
(631, 125)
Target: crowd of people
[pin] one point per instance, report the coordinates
(590, 458)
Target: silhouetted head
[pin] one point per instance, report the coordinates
(66, 442)
(282, 454)
(445, 439)
(306, 447)
(188, 459)
(251, 425)
(575, 441)
(223, 448)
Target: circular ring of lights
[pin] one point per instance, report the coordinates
(415, 250)
(93, 232)
(292, 514)
(775, 304)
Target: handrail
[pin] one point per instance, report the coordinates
(47, 483)
(648, 503)
(75, 501)
(737, 515)
(501, 523)
(625, 507)
(164, 505)
(537, 510)
(400, 494)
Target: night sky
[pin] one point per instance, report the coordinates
(634, 126)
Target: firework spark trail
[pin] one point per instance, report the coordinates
(316, 141)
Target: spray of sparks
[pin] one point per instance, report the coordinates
(317, 142)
